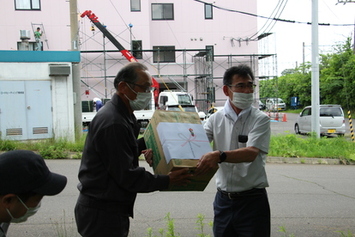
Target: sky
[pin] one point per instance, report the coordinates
(287, 38)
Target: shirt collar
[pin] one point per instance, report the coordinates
(231, 114)
(121, 107)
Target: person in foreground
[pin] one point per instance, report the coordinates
(25, 179)
(109, 174)
(241, 137)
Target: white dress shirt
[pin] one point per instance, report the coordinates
(223, 128)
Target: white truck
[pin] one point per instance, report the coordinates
(166, 99)
(143, 116)
(87, 117)
(88, 112)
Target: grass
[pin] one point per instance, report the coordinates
(289, 145)
(170, 227)
(48, 148)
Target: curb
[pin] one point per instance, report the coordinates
(269, 159)
(307, 160)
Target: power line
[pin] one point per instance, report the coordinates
(269, 24)
(272, 18)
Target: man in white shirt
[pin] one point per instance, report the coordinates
(241, 137)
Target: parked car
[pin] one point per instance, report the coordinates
(275, 104)
(261, 105)
(331, 120)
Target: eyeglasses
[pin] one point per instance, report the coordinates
(146, 89)
(242, 86)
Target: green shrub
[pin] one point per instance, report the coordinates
(7, 145)
(53, 152)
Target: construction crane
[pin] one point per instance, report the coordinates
(125, 52)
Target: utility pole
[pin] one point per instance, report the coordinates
(75, 67)
(105, 69)
(315, 70)
(303, 57)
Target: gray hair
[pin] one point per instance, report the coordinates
(129, 73)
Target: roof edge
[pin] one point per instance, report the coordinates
(39, 56)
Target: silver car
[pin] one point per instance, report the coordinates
(331, 120)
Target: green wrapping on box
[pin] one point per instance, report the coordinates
(160, 166)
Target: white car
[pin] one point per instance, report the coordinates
(331, 120)
(275, 104)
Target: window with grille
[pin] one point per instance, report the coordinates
(208, 11)
(27, 5)
(137, 49)
(162, 11)
(165, 54)
(135, 5)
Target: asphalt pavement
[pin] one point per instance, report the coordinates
(306, 200)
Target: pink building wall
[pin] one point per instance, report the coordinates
(188, 30)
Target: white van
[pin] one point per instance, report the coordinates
(167, 98)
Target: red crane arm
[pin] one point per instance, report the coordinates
(125, 52)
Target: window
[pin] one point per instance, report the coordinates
(165, 54)
(137, 49)
(210, 53)
(29, 46)
(307, 112)
(162, 11)
(208, 11)
(135, 5)
(27, 5)
(184, 99)
(330, 112)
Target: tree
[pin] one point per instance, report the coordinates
(337, 80)
(337, 76)
(289, 85)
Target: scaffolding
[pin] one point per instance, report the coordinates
(100, 66)
(196, 71)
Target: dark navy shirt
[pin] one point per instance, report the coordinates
(109, 168)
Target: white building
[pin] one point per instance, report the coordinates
(36, 94)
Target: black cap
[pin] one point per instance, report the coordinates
(24, 171)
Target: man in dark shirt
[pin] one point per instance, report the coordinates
(24, 180)
(109, 174)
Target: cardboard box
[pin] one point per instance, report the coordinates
(196, 142)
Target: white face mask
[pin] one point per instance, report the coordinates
(142, 100)
(242, 100)
(30, 212)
